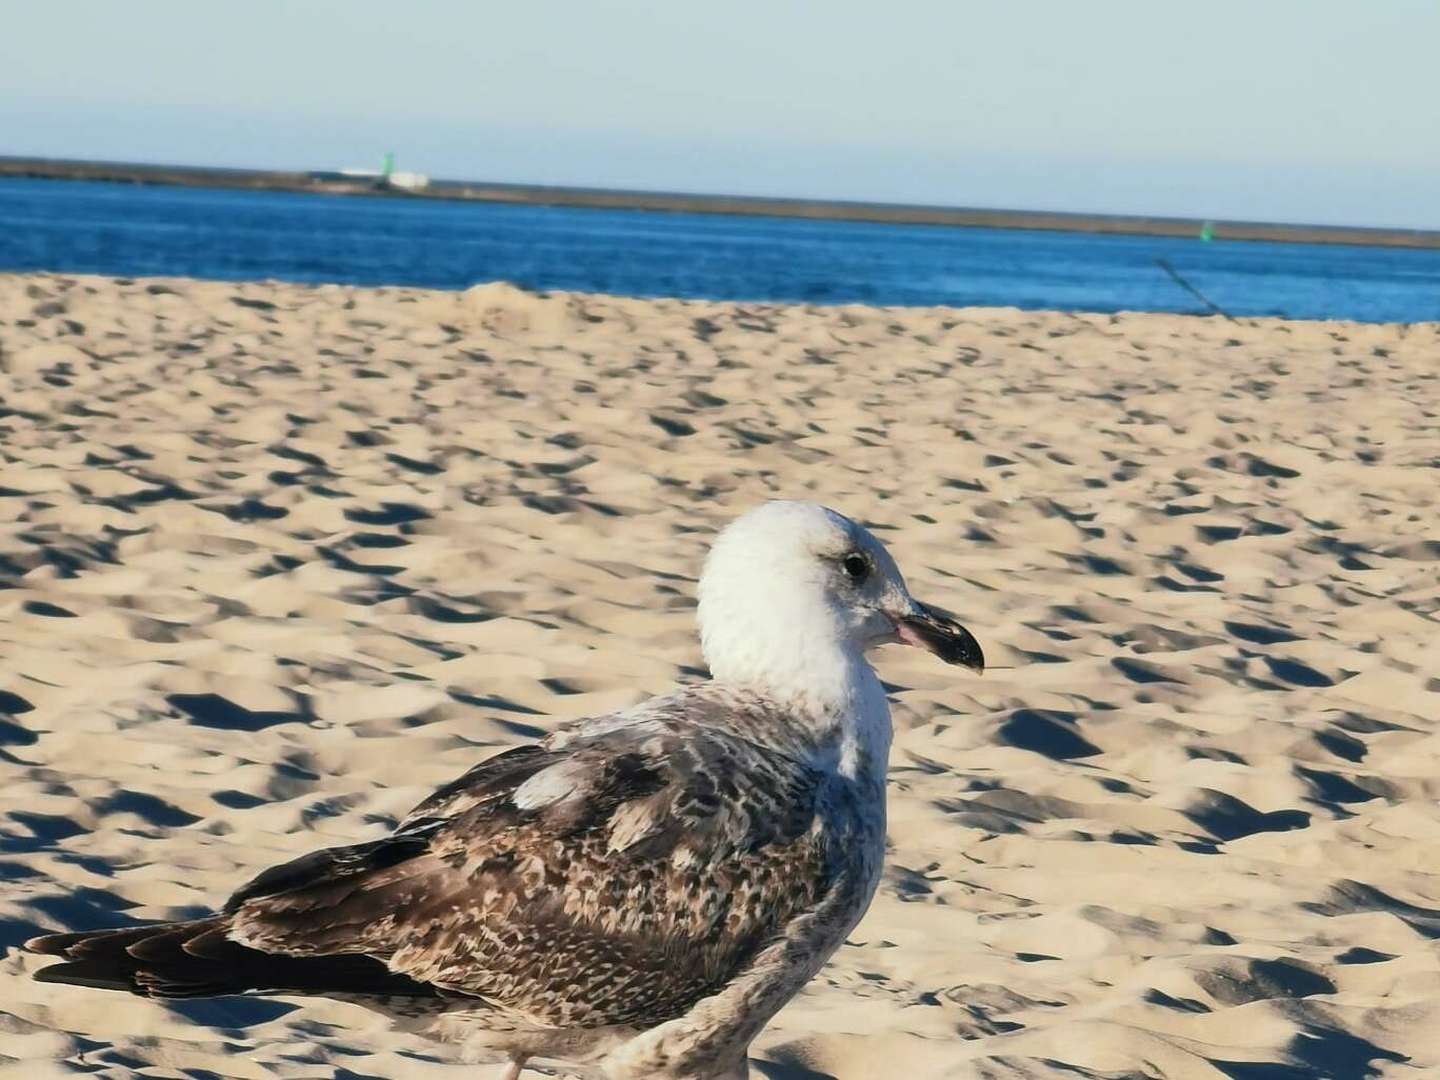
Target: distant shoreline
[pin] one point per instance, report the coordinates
(329, 183)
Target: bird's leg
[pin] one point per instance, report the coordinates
(512, 1071)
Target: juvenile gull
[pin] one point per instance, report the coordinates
(635, 895)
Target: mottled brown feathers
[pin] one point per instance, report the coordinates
(639, 881)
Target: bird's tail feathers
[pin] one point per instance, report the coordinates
(199, 959)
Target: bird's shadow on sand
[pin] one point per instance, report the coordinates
(231, 1013)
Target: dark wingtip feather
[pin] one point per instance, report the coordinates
(82, 974)
(53, 944)
(87, 942)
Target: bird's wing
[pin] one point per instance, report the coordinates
(613, 877)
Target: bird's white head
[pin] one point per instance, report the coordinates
(794, 593)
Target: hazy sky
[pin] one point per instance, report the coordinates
(1291, 110)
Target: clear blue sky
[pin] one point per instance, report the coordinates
(1290, 110)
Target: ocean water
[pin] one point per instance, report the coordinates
(128, 230)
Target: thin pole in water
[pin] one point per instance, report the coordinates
(1175, 276)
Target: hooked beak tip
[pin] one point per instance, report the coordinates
(940, 634)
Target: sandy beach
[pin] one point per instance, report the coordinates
(278, 560)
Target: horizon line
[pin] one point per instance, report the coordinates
(330, 181)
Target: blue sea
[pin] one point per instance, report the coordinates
(128, 230)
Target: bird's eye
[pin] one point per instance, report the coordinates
(856, 566)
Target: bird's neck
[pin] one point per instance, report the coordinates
(832, 692)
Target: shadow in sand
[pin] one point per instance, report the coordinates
(1334, 790)
(1316, 1054)
(231, 1012)
(787, 1066)
(387, 513)
(45, 831)
(1361, 955)
(1260, 635)
(215, 711)
(1141, 671)
(14, 704)
(1239, 982)
(148, 808)
(1227, 818)
(1050, 732)
(12, 734)
(1295, 673)
(15, 932)
(1347, 897)
(1342, 745)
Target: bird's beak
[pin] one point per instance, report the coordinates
(941, 635)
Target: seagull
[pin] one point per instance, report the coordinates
(634, 895)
